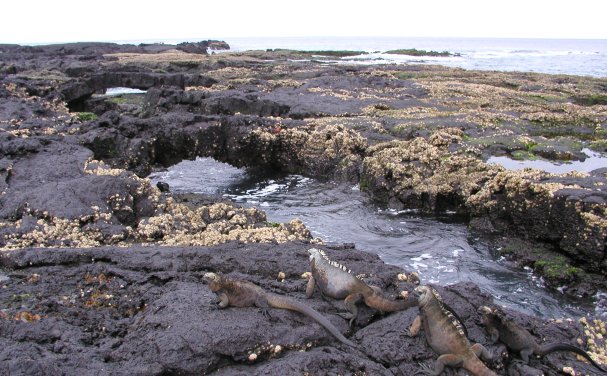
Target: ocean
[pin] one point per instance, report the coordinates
(583, 57)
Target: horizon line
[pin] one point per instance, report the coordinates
(192, 39)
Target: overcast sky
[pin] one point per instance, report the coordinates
(44, 21)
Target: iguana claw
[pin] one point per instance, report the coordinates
(425, 369)
(265, 312)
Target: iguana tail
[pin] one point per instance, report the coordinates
(377, 301)
(277, 301)
(552, 347)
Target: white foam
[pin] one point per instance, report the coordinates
(417, 265)
(457, 251)
(423, 256)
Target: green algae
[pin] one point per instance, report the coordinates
(86, 116)
(521, 155)
(416, 52)
(331, 53)
(557, 268)
(591, 100)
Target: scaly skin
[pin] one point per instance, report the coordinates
(518, 339)
(446, 336)
(246, 294)
(335, 281)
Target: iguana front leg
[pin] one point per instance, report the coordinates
(494, 335)
(223, 300)
(311, 286)
(350, 303)
(481, 352)
(415, 327)
(526, 353)
(262, 303)
(376, 289)
(450, 360)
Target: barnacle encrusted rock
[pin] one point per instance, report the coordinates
(567, 210)
(424, 174)
(177, 224)
(323, 150)
(560, 209)
(61, 197)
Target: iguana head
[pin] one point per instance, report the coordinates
(315, 253)
(489, 316)
(214, 281)
(423, 294)
(211, 277)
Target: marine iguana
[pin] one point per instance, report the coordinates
(445, 335)
(246, 294)
(519, 339)
(336, 281)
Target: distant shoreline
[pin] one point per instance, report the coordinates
(580, 57)
(227, 39)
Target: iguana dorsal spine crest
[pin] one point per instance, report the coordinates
(456, 323)
(335, 263)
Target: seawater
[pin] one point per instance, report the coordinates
(583, 57)
(592, 162)
(440, 248)
(123, 90)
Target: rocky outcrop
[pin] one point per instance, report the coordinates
(54, 193)
(202, 47)
(95, 49)
(60, 196)
(217, 45)
(97, 83)
(212, 103)
(567, 211)
(424, 174)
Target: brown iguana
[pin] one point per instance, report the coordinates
(246, 294)
(519, 339)
(445, 335)
(336, 281)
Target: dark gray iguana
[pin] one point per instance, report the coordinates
(520, 340)
(337, 282)
(445, 335)
(246, 294)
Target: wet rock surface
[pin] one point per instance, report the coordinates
(124, 293)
